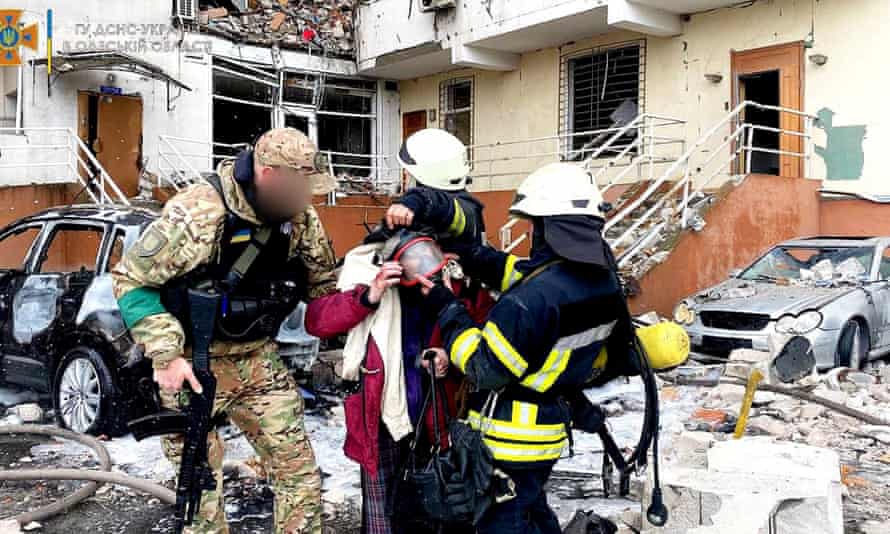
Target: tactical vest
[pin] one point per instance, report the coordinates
(259, 283)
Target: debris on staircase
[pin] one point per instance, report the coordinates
(658, 235)
(326, 26)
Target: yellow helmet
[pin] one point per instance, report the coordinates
(666, 344)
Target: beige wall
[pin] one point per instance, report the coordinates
(525, 103)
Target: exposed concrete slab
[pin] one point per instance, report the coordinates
(482, 58)
(755, 486)
(644, 19)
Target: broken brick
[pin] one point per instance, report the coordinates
(715, 417)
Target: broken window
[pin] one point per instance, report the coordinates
(602, 88)
(456, 108)
(15, 247)
(117, 250)
(70, 249)
(300, 88)
(338, 114)
(243, 104)
(346, 124)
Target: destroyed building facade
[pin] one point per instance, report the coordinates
(684, 112)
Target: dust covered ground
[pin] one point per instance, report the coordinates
(575, 484)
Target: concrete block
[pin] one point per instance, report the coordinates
(691, 449)
(811, 411)
(754, 486)
(749, 356)
(29, 413)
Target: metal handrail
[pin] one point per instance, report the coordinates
(686, 182)
(106, 189)
(194, 172)
(640, 152)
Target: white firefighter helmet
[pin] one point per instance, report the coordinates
(436, 159)
(558, 189)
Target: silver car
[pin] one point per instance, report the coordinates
(833, 291)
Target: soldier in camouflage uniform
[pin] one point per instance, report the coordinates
(274, 185)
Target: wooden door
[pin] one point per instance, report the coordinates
(787, 59)
(119, 140)
(412, 121)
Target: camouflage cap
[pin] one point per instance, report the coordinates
(289, 147)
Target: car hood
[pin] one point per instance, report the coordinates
(765, 298)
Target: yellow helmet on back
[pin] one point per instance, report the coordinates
(666, 344)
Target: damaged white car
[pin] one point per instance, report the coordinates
(833, 291)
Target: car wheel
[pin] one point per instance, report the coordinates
(853, 346)
(85, 397)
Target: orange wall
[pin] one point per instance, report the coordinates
(854, 217)
(759, 213)
(343, 222)
(21, 201)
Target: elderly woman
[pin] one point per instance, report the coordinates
(388, 329)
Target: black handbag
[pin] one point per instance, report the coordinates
(455, 486)
(421, 485)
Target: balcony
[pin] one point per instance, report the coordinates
(398, 40)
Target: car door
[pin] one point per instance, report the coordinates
(881, 296)
(18, 245)
(48, 299)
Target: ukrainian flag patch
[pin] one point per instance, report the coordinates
(241, 236)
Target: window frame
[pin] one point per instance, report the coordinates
(566, 86)
(128, 235)
(319, 83)
(885, 253)
(27, 261)
(445, 112)
(49, 233)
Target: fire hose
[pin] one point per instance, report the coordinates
(94, 477)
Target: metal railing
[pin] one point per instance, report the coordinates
(621, 154)
(183, 160)
(55, 154)
(727, 150)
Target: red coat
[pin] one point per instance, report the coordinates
(336, 314)
(333, 315)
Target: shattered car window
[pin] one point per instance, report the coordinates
(14, 247)
(809, 263)
(117, 250)
(71, 249)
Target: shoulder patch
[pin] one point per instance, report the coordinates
(150, 243)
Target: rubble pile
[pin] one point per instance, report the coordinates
(782, 435)
(662, 231)
(315, 25)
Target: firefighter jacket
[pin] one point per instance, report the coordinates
(544, 337)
